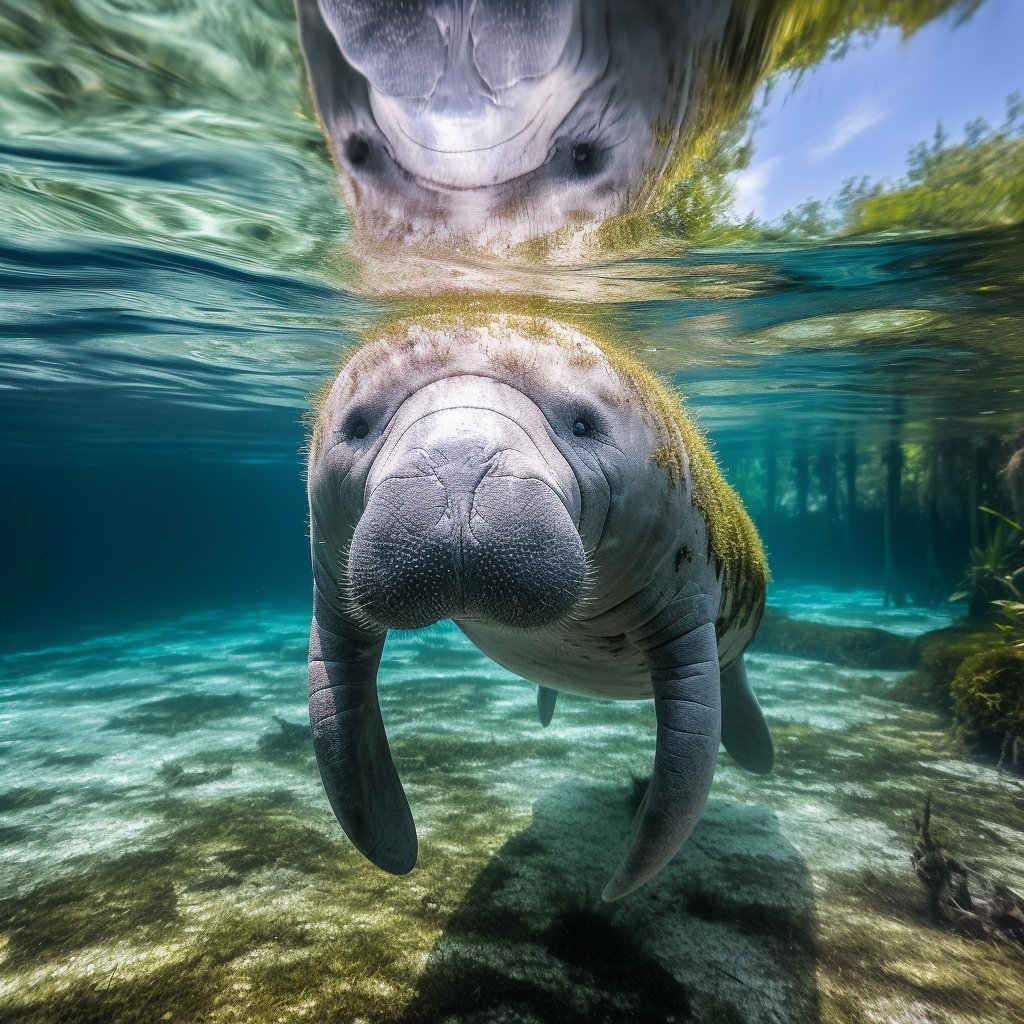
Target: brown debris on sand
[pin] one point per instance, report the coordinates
(1000, 918)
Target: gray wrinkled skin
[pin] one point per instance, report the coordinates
(495, 121)
(507, 482)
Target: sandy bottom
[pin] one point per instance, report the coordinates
(168, 854)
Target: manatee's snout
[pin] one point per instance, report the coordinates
(468, 516)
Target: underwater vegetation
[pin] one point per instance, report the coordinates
(988, 698)
(995, 571)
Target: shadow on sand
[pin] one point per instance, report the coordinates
(723, 934)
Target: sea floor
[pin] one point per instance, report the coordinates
(168, 853)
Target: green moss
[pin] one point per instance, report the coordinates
(941, 652)
(170, 715)
(850, 646)
(988, 692)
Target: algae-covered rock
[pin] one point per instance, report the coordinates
(988, 696)
(942, 651)
(851, 646)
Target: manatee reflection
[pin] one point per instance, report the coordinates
(497, 122)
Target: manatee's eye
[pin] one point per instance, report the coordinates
(359, 429)
(357, 150)
(581, 428)
(584, 159)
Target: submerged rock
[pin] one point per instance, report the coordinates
(851, 646)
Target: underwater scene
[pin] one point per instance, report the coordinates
(512, 511)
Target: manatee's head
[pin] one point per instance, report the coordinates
(499, 120)
(469, 472)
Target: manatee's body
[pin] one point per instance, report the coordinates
(552, 500)
(495, 121)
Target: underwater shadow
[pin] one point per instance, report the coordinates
(724, 933)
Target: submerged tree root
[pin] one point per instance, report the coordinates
(1000, 918)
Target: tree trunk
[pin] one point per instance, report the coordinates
(801, 462)
(974, 499)
(850, 460)
(830, 485)
(894, 589)
(936, 588)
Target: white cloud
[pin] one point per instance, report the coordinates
(846, 131)
(751, 184)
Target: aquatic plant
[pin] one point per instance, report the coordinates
(991, 572)
(988, 697)
(1014, 612)
(181, 713)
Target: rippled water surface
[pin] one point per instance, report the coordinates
(175, 281)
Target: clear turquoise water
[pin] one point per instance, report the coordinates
(173, 284)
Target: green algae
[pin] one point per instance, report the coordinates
(169, 716)
(988, 693)
(129, 896)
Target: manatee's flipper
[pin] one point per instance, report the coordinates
(546, 704)
(744, 731)
(684, 673)
(350, 744)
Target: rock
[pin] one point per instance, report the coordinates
(850, 646)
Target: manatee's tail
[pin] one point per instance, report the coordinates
(744, 731)
(546, 704)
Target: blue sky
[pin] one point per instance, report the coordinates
(860, 114)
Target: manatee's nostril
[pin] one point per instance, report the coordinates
(357, 150)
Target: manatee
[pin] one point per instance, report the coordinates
(496, 121)
(546, 493)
